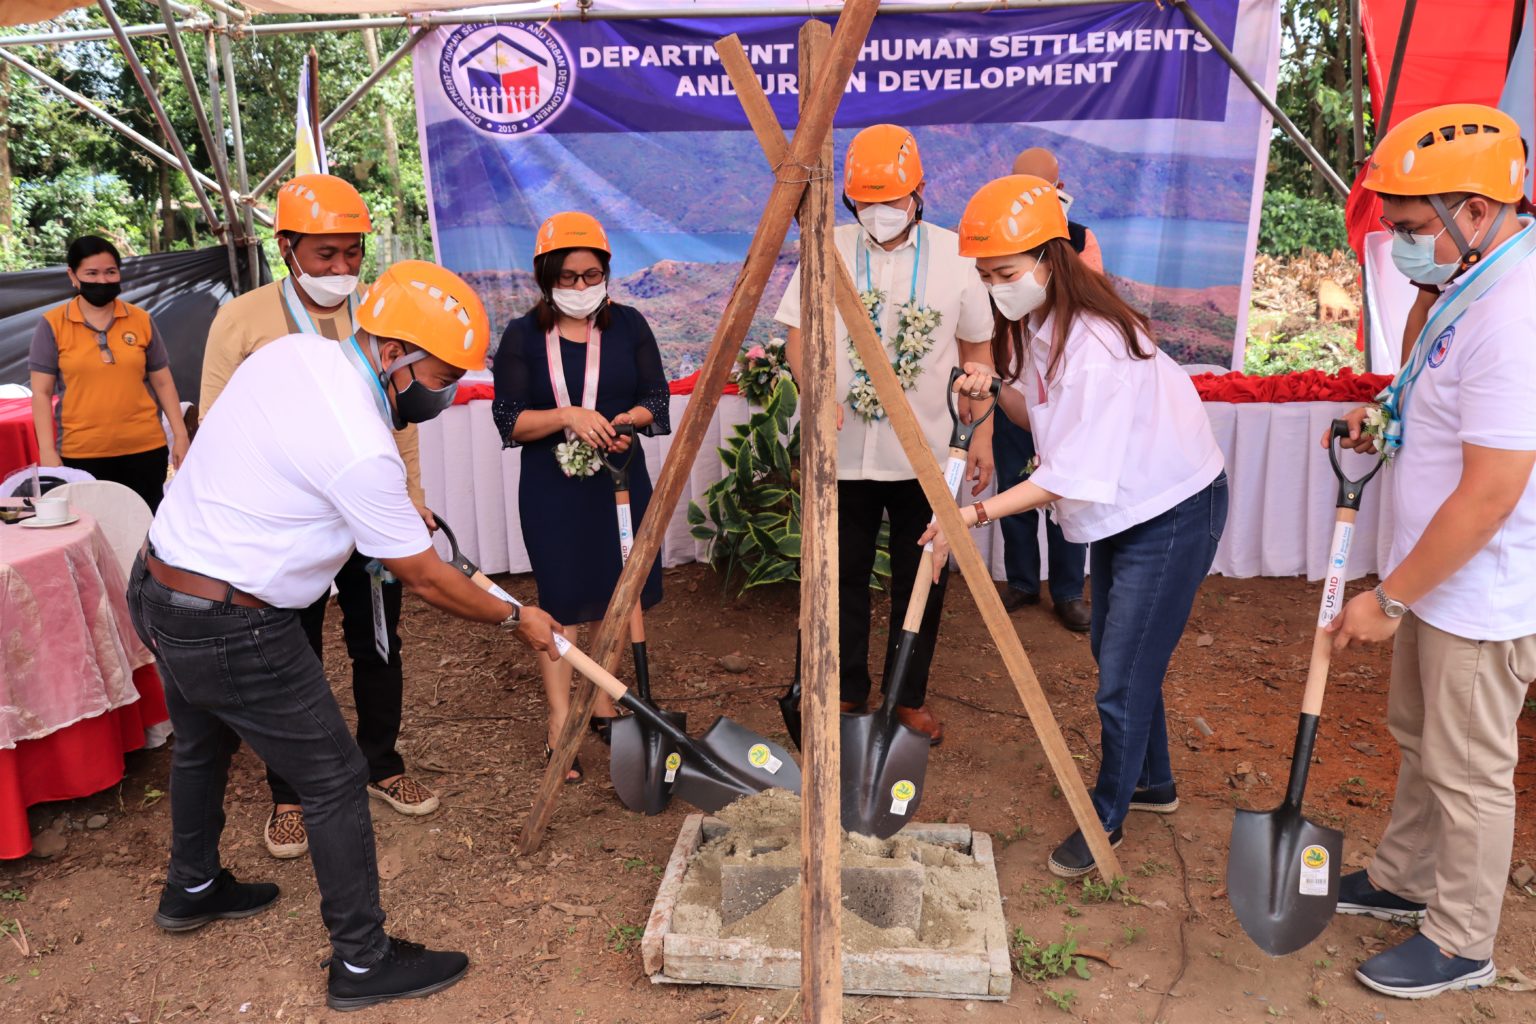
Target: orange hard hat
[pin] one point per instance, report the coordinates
(1458, 147)
(430, 307)
(321, 204)
(571, 230)
(1011, 215)
(882, 164)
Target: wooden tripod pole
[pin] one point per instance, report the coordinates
(877, 362)
(821, 965)
(788, 187)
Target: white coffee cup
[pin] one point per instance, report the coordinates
(51, 510)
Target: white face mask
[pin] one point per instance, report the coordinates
(884, 223)
(331, 290)
(580, 303)
(1019, 298)
(1066, 201)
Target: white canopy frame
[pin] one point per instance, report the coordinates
(242, 205)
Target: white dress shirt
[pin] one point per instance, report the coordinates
(870, 451)
(1121, 440)
(290, 471)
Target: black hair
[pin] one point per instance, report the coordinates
(86, 246)
(546, 274)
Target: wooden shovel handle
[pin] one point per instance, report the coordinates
(1332, 604)
(917, 604)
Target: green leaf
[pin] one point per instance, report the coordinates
(761, 538)
(882, 567)
(695, 514)
(769, 521)
(745, 472)
(703, 533)
(770, 497)
(789, 545)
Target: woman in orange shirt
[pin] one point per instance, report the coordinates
(99, 353)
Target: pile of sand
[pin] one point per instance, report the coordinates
(955, 887)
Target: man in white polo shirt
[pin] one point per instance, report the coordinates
(271, 500)
(1459, 600)
(927, 300)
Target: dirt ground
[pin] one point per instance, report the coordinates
(554, 938)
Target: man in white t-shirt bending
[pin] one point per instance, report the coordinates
(899, 262)
(294, 468)
(1460, 599)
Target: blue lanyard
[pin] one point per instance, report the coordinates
(360, 363)
(917, 263)
(299, 313)
(1445, 315)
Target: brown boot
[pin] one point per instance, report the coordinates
(923, 721)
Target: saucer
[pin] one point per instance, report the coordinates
(36, 525)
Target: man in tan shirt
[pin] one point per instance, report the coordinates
(321, 221)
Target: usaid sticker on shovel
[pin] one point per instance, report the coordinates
(1314, 871)
(674, 762)
(761, 757)
(901, 795)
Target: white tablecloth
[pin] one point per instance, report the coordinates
(1281, 521)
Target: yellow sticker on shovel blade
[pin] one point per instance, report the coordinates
(674, 762)
(1314, 871)
(759, 756)
(901, 795)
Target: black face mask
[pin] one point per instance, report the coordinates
(417, 403)
(100, 293)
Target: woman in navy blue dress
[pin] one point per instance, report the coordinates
(608, 374)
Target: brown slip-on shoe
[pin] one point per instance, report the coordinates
(285, 834)
(405, 795)
(923, 721)
(1075, 615)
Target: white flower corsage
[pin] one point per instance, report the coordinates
(577, 458)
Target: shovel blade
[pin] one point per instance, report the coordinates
(1283, 877)
(884, 765)
(745, 763)
(789, 707)
(638, 763)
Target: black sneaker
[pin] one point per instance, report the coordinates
(408, 971)
(1073, 858)
(1358, 896)
(182, 911)
(1417, 969)
(1156, 799)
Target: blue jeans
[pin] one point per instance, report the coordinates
(233, 674)
(1144, 584)
(1012, 448)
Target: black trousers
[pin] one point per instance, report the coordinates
(861, 505)
(143, 473)
(233, 674)
(378, 687)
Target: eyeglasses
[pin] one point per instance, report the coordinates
(568, 278)
(106, 353)
(1406, 234)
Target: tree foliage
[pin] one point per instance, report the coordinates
(69, 174)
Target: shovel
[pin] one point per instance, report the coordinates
(633, 741)
(885, 762)
(1283, 870)
(728, 762)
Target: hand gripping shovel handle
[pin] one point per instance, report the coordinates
(1348, 505)
(961, 433)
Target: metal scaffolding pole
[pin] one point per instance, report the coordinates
(215, 147)
(166, 128)
(1286, 124)
(1356, 78)
(253, 261)
(150, 147)
(86, 35)
(343, 108)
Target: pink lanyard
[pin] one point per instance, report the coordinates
(557, 370)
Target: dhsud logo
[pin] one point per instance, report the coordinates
(506, 79)
(1442, 346)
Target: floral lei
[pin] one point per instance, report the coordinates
(914, 340)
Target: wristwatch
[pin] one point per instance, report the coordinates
(1392, 609)
(511, 621)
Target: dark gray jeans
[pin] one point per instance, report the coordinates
(249, 674)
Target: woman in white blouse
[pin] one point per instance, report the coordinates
(1127, 462)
